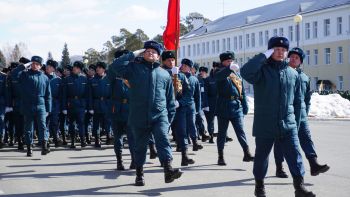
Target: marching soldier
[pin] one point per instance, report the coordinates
(36, 104)
(56, 94)
(3, 106)
(189, 105)
(75, 100)
(231, 105)
(88, 116)
(63, 117)
(100, 103)
(203, 71)
(296, 57)
(15, 100)
(152, 106)
(277, 101)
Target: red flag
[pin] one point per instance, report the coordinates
(172, 30)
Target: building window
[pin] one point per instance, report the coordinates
(203, 48)
(247, 40)
(339, 25)
(315, 56)
(261, 39)
(224, 44)
(183, 51)
(267, 37)
(188, 50)
(241, 61)
(228, 44)
(327, 56)
(281, 33)
(274, 32)
(327, 26)
(235, 43)
(339, 55)
(194, 49)
(340, 82)
(307, 57)
(290, 33)
(253, 39)
(315, 29)
(198, 50)
(217, 46)
(213, 47)
(240, 42)
(307, 31)
(207, 48)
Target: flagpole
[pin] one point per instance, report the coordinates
(177, 33)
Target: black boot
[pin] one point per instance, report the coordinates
(64, 141)
(196, 146)
(132, 165)
(45, 149)
(2, 144)
(82, 141)
(152, 151)
(211, 140)
(11, 141)
(171, 174)
(120, 165)
(20, 144)
(72, 145)
(300, 190)
(259, 188)
(109, 140)
(57, 141)
(88, 138)
(140, 181)
(97, 142)
(29, 150)
(205, 137)
(221, 160)
(280, 173)
(228, 139)
(185, 160)
(178, 149)
(317, 168)
(248, 156)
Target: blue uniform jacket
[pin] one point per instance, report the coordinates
(100, 94)
(211, 92)
(35, 92)
(75, 93)
(56, 93)
(277, 97)
(230, 103)
(3, 93)
(204, 97)
(151, 90)
(305, 95)
(191, 95)
(120, 99)
(14, 89)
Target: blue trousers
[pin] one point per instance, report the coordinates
(200, 124)
(185, 125)
(78, 118)
(159, 129)
(39, 118)
(120, 129)
(18, 120)
(101, 120)
(209, 116)
(290, 149)
(53, 124)
(237, 124)
(2, 123)
(306, 144)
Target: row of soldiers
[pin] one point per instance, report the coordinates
(145, 99)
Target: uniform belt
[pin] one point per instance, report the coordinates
(75, 97)
(124, 101)
(232, 97)
(101, 98)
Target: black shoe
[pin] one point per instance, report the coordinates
(132, 165)
(171, 174)
(140, 181)
(2, 144)
(221, 160)
(88, 139)
(109, 140)
(45, 149)
(185, 161)
(196, 146)
(58, 142)
(152, 151)
(247, 156)
(205, 138)
(280, 173)
(228, 139)
(29, 151)
(120, 165)
(11, 143)
(97, 142)
(178, 149)
(211, 140)
(300, 190)
(259, 188)
(20, 145)
(72, 143)
(316, 168)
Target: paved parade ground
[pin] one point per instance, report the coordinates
(91, 172)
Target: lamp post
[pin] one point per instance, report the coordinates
(297, 19)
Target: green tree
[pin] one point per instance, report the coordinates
(16, 53)
(92, 56)
(49, 56)
(136, 40)
(158, 38)
(186, 23)
(65, 56)
(2, 60)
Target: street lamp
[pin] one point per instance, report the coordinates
(297, 19)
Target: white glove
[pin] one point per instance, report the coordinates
(64, 112)
(47, 114)
(206, 109)
(91, 111)
(177, 104)
(268, 53)
(175, 70)
(138, 52)
(8, 109)
(234, 67)
(85, 111)
(27, 64)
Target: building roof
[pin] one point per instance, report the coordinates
(265, 13)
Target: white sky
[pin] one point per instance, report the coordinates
(44, 25)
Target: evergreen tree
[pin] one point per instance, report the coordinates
(2, 60)
(65, 56)
(49, 56)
